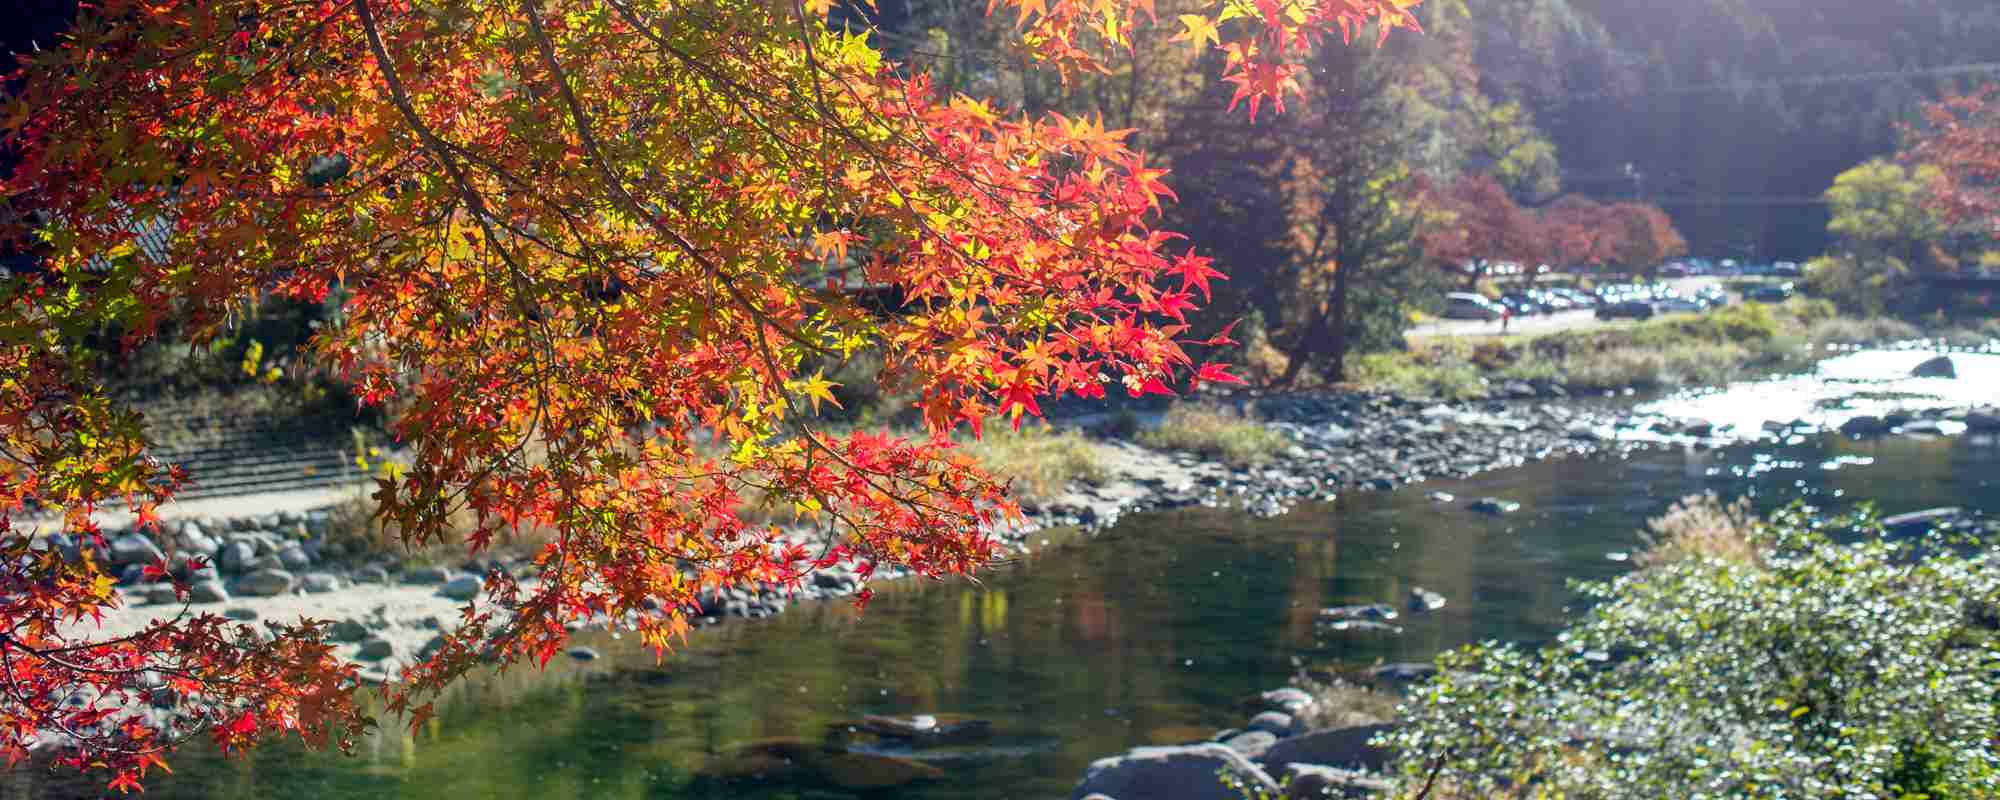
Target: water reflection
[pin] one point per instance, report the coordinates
(1153, 632)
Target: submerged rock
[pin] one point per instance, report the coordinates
(1363, 626)
(1422, 599)
(1495, 505)
(1917, 523)
(1376, 611)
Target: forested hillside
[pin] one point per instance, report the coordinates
(1734, 114)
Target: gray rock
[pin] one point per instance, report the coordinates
(582, 653)
(1339, 747)
(1983, 419)
(1422, 599)
(265, 583)
(1289, 699)
(294, 557)
(1864, 425)
(319, 582)
(134, 548)
(431, 647)
(1583, 431)
(1174, 773)
(1375, 611)
(1518, 390)
(1495, 505)
(264, 562)
(208, 591)
(236, 555)
(1939, 367)
(464, 587)
(161, 593)
(1276, 723)
(195, 543)
(371, 574)
(1251, 743)
(376, 649)
(427, 575)
(347, 630)
(1442, 497)
(240, 614)
(1315, 781)
(132, 575)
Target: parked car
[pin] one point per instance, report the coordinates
(1713, 296)
(1628, 309)
(1769, 293)
(1466, 305)
(1789, 269)
(1680, 305)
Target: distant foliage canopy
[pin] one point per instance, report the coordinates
(574, 239)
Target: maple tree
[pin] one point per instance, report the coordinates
(1644, 236)
(568, 270)
(1579, 231)
(1478, 226)
(1961, 139)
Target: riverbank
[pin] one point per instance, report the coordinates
(390, 613)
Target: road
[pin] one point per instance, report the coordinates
(1537, 324)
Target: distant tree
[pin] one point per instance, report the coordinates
(1961, 141)
(1888, 227)
(1357, 260)
(1478, 225)
(1580, 232)
(1643, 237)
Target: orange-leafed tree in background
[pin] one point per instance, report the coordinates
(567, 269)
(1961, 138)
(1642, 237)
(1478, 226)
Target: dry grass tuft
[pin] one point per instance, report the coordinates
(1701, 526)
(1039, 460)
(1216, 433)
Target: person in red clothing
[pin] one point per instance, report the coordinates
(1506, 316)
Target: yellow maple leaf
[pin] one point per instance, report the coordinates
(1198, 29)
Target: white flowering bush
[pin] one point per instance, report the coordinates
(1842, 664)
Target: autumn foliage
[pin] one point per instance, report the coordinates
(573, 272)
(1962, 139)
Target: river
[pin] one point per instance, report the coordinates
(1152, 632)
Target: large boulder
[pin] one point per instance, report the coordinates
(1289, 699)
(1939, 367)
(265, 583)
(1983, 419)
(208, 591)
(1338, 747)
(294, 557)
(134, 548)
(1277, 723)
(464, 587)
(236, 555)
(1864, 425)
(1251, 743)
(1175, 773)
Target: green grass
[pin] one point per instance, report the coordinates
(1677, 350)
(1215, 433)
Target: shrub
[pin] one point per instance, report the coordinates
(1215, 433)
(1038, 461)
(1832, 669)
